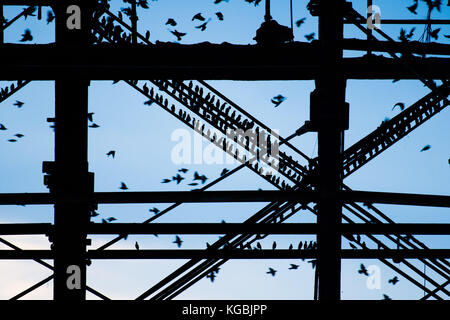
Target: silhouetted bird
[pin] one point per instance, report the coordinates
(147, 35)
(277, 100)
(183, 170)
(199, 17)
(363, 270)
(413, 8)
(425, 148)
(202, 177)
(94, 125)
(193, 184)
(386, 297)
(171, 22)
(219, 1)
(2, 127)
(136, 245)
(143, 4)
(154, 210)
(293, 266)
(50, 16)
(179, 35)
(258, 245)
(19, 135)
(299, 22)
(123, 186)
(178, 241)
(202, 27)
(26, 36)
(111, 153)
(211, 276)
(274, 245)
(400, 104)
(434, 33)
(18, 104)
(219, 15)
(272, 272)
(29, 12)
(90, 116)
(394, 280)
(111, 219)
(12, 140)
(224, 172)
(166, 180)
(177, 178)
(310, 36)
(94, 214)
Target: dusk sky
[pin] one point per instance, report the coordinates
(144, 138)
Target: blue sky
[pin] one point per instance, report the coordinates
(141, 136)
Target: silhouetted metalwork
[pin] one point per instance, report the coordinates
(205, 110)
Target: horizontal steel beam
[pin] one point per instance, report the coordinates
(229, 254)
(226, 196)
(399, 47)
(297, 61)
(228, 228)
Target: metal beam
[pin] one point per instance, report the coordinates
(224, 196)
(296, 61)
(228, 254)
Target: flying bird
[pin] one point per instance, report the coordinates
(171, 22)
(111, 219)
(19, 135)
(219, 1)
(363, 270)
(394, 280)
(94, 125)
(202, 27)
(178, 34)
(293, 266)
(299, 22)
(183, 170)
(425, 148)
(400, 104)
(310, 36)
(211, 276)
(178, 241)
(111, 153)
(90, 116)
(193, 184)
(18, 104)
(2, 127)
(413, 8)
(50, 16)
(143, 4)
(26, 36)
(199, 17)
(29, 12)
(148, 102)
(12, 140)
(224, 172)
(277, 100)
(434, 33)
(177, 178)
(123, 186)
(272, 272)
(166, 180)
(219, 15)
(386, 297)
(154, 210)
(202, 177)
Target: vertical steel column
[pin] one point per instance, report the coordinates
(267, 16)
(331, 122)
(1, 29)
(71, 166)
(134, 19)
